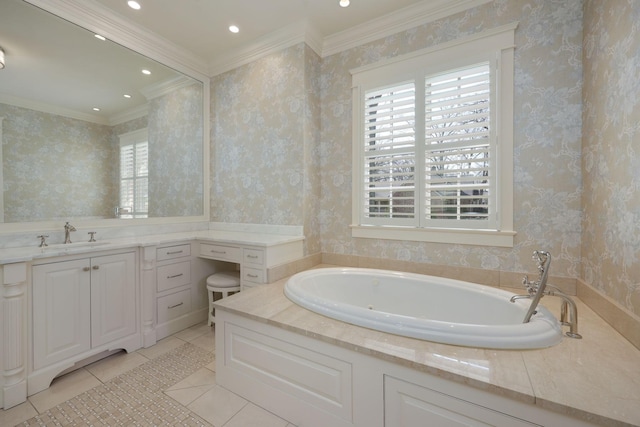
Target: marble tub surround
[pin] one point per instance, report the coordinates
(626, 323)
(496, 278)
(596, 379)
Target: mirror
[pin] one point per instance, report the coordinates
(61, 160)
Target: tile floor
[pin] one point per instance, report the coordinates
(170, 383)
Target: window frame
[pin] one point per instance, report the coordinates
(495, 47)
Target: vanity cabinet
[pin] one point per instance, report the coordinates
(254, 261)
(82, 304)
(180, 290)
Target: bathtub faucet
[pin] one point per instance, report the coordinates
(538, 288)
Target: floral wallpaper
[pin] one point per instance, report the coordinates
(611, 150)
(271, 126)
(175, 153)
(265, 136)
(55, 167)
(547, 114)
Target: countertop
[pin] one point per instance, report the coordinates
(25, 254)
(596, 378)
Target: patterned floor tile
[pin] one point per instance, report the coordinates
(134, 398)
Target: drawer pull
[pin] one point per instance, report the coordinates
(253, 276)
(176, 305)
(175, 275)
(252, 256)
(174, 253)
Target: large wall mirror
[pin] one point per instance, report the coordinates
(87, 135)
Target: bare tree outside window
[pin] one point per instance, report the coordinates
(390, 152)
(457, 144)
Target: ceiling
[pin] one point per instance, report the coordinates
(201, 26)
(53, 63)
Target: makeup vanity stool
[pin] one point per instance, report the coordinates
(224, 283)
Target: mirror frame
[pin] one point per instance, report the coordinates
(98, 19)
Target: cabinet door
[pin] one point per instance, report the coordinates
(408, 405)
(113, 297)
(61, 311)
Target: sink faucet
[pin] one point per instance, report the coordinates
(538, 288)
(68, 228)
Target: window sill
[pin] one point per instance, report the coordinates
(454, 236)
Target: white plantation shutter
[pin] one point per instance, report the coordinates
(389, 155)
(433, 143)
(134, 177)
(459, 154)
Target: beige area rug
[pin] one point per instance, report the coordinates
(134, 398)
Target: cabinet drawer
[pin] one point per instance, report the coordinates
(253, 256)
(173, 275)
(174, 305)
(220, 252)
(255, 275)
(172, 252)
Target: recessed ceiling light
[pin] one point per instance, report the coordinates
(96, 109)
(234, 29)
(134, 4)
(126, 95)
(146, 72)
(99, 37)
(344, 3)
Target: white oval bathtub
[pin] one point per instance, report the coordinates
(425, 307)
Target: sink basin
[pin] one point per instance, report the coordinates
(71, 246)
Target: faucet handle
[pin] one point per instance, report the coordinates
(43, 240)
(92, 234)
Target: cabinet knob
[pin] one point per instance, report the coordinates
(86, 269)
(96, 267)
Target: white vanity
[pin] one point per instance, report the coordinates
(65, 306)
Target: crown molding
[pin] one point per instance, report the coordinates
(300, 32)
(130, 114)
(165, 87)
(95, 17)
(100, 19)
(51, 109)
(395, 22)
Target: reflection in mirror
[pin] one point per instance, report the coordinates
(61, 160)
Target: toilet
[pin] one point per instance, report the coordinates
(221, 285)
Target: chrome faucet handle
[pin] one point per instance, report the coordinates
(43, 240)
(529, 285)
(92, 234)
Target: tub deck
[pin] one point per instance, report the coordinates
(596, 379)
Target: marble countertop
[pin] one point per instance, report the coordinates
(24, 254)
(596, 379)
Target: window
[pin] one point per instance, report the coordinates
(432, 143)
(134, 175)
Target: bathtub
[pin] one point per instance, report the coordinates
(424, 307)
